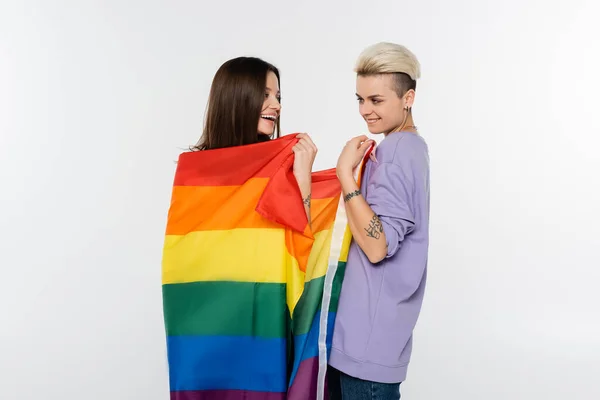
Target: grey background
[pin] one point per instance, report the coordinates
(98, 97)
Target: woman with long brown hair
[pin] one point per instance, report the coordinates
(235, 259)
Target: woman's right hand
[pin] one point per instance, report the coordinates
(305, 152)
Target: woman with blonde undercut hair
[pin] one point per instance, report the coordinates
(388, 215)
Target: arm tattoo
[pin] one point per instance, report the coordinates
(306, 201)
(375, 227)
(351, 195)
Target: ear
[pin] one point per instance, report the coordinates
(409, 99)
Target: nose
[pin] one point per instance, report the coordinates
(364, 109)
(274, 103)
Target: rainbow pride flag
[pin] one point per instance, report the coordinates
(250, 292)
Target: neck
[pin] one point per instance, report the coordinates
(407, 126)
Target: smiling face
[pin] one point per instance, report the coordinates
(379, 104)
(271, 108)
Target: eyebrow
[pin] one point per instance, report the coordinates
(370, 97)
(269, 89)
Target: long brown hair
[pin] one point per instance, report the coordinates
(236, 99)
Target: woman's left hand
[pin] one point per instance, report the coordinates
(352, 155)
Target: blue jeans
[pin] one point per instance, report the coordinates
(344, 387)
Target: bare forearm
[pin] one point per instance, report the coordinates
(305, 191)
(364, 224)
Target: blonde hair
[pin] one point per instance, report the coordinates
(390, 58)
(386, 58)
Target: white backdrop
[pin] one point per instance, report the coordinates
(98, 97)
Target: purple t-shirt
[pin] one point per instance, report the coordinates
(380, 303)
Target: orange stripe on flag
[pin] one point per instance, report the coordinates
(199, 208)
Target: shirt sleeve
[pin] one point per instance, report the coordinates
(390, 196)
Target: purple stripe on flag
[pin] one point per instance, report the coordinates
(304, 386)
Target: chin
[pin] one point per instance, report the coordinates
(265, 128)
(374, 130)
